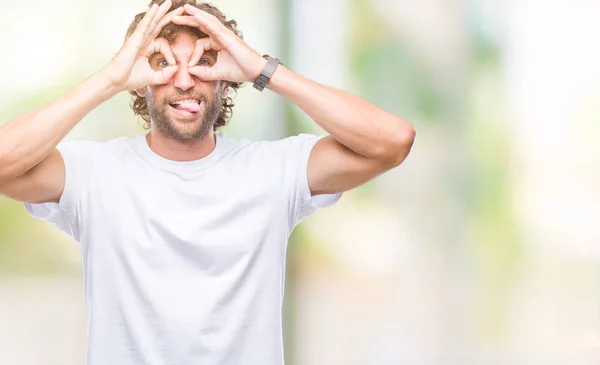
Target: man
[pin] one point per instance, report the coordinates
(184, 231)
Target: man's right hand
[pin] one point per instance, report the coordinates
(129, 69)
(31, 168)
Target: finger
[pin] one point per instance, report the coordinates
(163, 76)
(207, 19)
(209, 24)
(139, 34)
(163, 47)
(204, 73)
(192, 21)
(202, 45)
(162, 10)
(165, 21)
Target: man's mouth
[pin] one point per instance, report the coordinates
(191, 106)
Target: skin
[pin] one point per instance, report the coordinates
(363, 142)
(179, 130)
(167, 120)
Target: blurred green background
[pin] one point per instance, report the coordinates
(482, 248)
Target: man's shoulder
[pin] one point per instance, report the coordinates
(274, 144)
(118, 142)
(89, 149)
(275, 153)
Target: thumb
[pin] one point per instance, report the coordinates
(163, 76)
(205, 73)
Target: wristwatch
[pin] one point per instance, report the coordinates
(267, 72)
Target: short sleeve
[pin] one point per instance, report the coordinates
(78, 157)
(302, 204)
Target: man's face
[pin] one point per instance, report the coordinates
(186, 108)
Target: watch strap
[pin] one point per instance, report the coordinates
(267, 72)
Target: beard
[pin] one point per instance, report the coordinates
(185, 129)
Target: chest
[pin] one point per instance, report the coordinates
(214, 220)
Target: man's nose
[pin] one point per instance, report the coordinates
(183, 79)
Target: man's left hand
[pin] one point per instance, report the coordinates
(236, 62)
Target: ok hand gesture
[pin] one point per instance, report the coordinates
(129, 69)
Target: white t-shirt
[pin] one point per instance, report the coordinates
(184, 262)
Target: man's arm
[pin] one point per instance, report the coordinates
(31, 168)
(364, 140)
(44, 183)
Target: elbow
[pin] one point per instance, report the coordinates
(399, 146)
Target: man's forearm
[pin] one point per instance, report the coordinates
(354, 122)
(28, 139)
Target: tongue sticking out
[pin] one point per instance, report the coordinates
(189, 107)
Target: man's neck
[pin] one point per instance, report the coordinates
(180, 151)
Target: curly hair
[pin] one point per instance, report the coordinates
(170, 32)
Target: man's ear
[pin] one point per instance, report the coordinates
(224, 92)
(141, 93)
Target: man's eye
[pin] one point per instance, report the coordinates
(163, 63)
(204, 62)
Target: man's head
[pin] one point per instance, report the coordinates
(163, 106)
